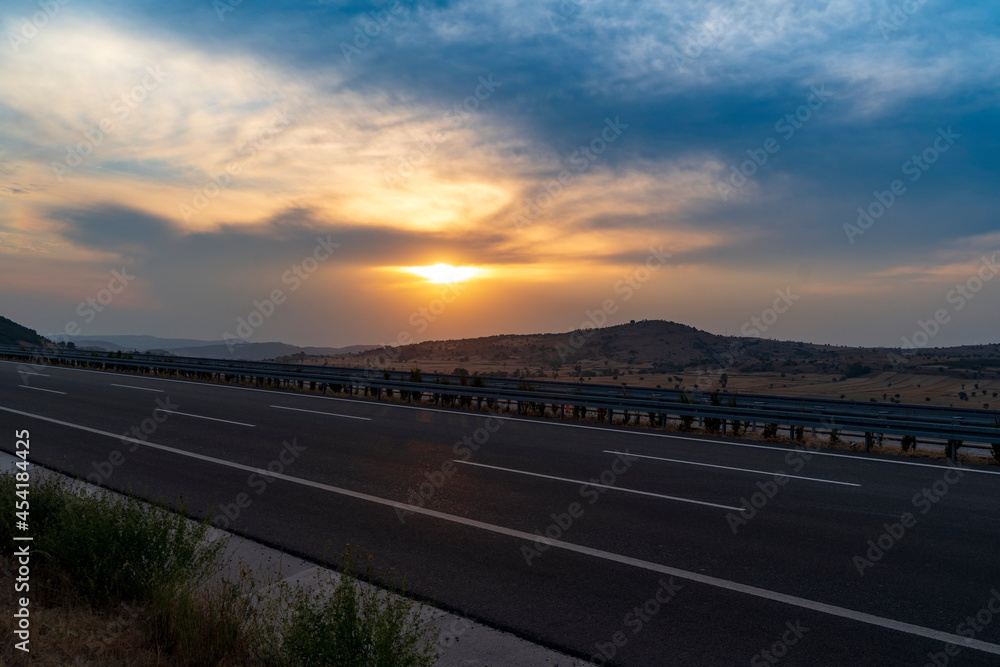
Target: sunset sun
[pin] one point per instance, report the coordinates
(445, 273)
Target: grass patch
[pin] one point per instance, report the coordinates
(118, 581)
(357, 625)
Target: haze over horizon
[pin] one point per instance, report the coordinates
(353, 172)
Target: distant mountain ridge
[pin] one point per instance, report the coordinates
(657, 345)
(208, 349)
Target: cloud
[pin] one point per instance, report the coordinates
(210, 151)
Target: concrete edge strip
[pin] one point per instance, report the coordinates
(812, 605)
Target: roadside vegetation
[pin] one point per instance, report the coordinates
(115, 581)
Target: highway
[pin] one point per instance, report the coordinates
(650, 559)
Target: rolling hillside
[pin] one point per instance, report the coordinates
(12, 333)
(654, 344)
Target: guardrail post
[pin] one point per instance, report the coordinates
(868, 442)
(791, 432)
(611, 416)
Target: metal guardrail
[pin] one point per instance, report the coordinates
(659, 406)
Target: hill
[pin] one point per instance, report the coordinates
(12, 333)
(209, 349)
(655, 353)
(652, 344)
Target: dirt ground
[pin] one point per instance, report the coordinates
(888, 386)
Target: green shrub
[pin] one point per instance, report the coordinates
(357, 626)
(951, 447)
(224, 623)
(834, 438)
(686, 420)
(995, 448)
(713, 424)
(106, 548)
(770, 431)
(908, 442)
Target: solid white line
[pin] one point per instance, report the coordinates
(602, 486)
(317, 412)
(51, 391)
(697, 577)
(553, 422)
(712, 465)
(129, 386)
(188, 414)
(30, 373)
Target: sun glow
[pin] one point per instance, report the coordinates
(445, 273)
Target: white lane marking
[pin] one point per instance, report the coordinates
(317, 412)
(712, 465)
(188, 414)
(51, 391)
(601, 486)
(30, 373)
(554, 422)
(132, 386)
(716, 582)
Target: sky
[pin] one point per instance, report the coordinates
(281, 171)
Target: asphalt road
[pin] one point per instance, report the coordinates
(650, 558)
